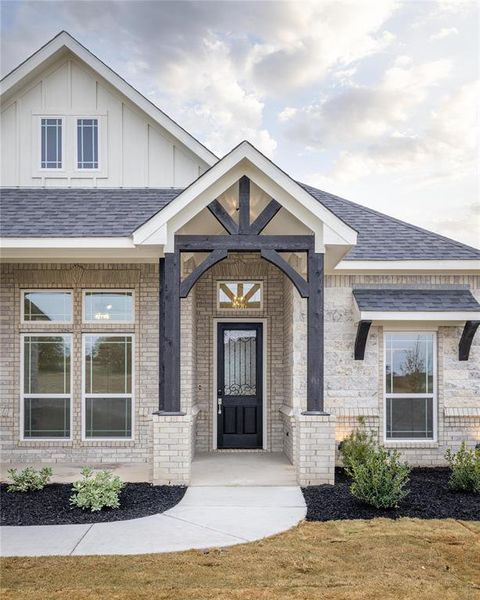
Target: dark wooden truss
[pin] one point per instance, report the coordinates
(361, 339)
(242, 237)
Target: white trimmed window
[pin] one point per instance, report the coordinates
(410, 386)
(87, 143)
(109, 306)
(46, 386)
(239, 295)
(48, 306)
(51, 143)
(107, 386)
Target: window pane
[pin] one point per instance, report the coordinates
(51, 143)
(108, 364)
(240, 295)
(47, 306)
(410, 418)
(409, 363)
(240, 362)
(108, 417)
(46, 417)
(109, 306)
(87, 143)
(46, 365)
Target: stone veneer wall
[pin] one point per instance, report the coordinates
(241, 266)
(143, 279)
(354, 389)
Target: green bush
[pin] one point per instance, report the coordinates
(379, 479)
(465, 465)
(96, 491)
(355, 447)
(29, 479)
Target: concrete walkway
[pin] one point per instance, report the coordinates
(209, 515)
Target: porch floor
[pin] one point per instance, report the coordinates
(242, 469)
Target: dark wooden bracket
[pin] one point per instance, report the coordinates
(361, 339)
(212, 259)
(467, 338)
(272, 256)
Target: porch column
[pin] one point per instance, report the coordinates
(315, 352)
(169, 334)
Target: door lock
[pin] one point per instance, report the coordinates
(219, 403)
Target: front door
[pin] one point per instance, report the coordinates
(239, 385)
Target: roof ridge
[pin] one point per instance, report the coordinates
(395, 220)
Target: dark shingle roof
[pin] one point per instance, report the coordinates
(381, 237)
(411, 300)
(77, 212)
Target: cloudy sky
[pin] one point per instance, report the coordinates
(375, 101)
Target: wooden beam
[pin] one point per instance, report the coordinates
(244, 243)
(361, 339)
(315, 334)
(265, 217)
(222, 216)
(213, 258)
(169, 342)
(298, 281)
(467, 338)
(244, 204)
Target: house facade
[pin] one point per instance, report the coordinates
(159, 301)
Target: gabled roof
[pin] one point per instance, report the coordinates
(64, 41)
(408, 300)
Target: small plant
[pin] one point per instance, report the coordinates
(29, 479)
(379, 479)
(355, 447)
(96, 491)
(465, 465)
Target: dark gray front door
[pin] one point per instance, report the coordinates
(239, 385)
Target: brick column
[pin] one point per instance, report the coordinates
(314, 449)
(172, 448)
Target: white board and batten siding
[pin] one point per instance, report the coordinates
(134, 150)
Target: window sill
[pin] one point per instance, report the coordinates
(411, 444)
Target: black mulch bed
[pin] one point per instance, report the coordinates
(429, 498)
(51, 506)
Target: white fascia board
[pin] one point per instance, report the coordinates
(65, 41)
(408, 265)
(444, 316)
(246, 152)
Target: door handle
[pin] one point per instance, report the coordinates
(219, 404)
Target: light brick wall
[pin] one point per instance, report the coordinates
(143, 279)
(173, 449)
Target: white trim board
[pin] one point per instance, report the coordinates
(64, 41)
(444, 316)
(346, 266)
(264, 322)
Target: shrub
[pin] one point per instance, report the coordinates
(29, 479)
(355, 447)
(96, 491)
(379, 479)
(465, 465)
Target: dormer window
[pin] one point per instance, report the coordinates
(87, 143)
(51, 143)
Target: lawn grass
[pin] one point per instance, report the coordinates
(337, 560)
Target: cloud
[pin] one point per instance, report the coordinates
(443, 33)
(446, 148)
(360, 113)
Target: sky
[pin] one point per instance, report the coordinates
(373, 100)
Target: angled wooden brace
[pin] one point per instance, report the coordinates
(361, 339)
(467, 338)
(298, 281)
(213, 258)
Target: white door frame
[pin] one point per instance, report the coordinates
(264, 322)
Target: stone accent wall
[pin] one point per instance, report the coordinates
(240, 267)
(355, 388)
(143, 279)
